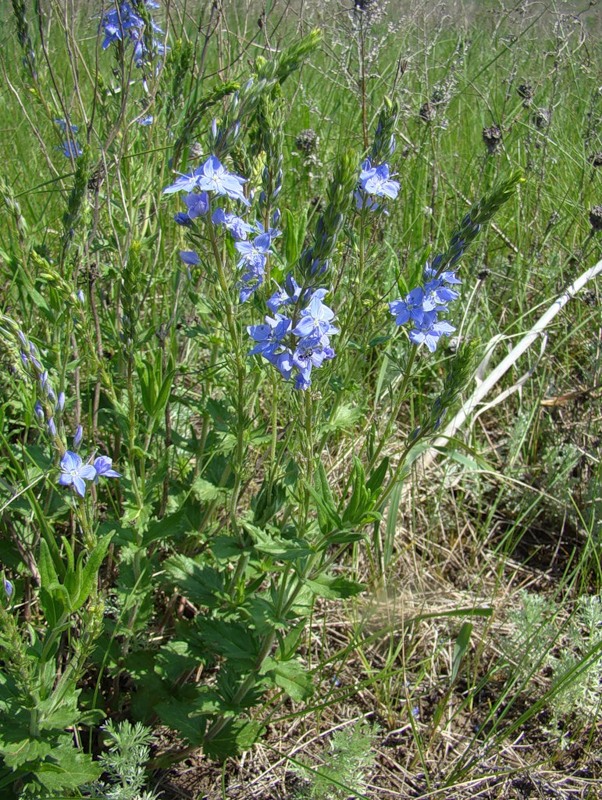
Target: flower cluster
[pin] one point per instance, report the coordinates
(374, 182)
(126, 24)
(50, 405)
(212, 178)
(424, 305)
(295, 345)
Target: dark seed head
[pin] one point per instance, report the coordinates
(427, 112)
(483, 273)
(492, 137)
(541, 118)
(595, 159)
(439, 96)
(525, 90)
(307, 141)
(595, 218)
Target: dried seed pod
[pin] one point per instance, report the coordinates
(492, 136)
(427, 112)
(541, 118)
(595, 159)
(307, 141)
(595, 218)
(525, 90)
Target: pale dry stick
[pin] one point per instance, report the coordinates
(538, 329)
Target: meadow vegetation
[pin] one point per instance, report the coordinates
(300, 477)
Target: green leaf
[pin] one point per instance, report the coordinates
(290, 676)
(89, 574)
(23, 751)
(343, 418)
(378, 476)
(232, 640)
(67, 768)
(48, 575)
(333, 587)
(170, 526)
(176, 714)
(202, 585)
(328, 518)
(460, 647)
(236, 735)
(360, 503)
(276, 546)
(206, 492)
(164, 393)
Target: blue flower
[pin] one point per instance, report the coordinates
(146, 121)
(124, 24)
(254, 253)
(412, 307)
(285, 297)
(362, 200)
(71, 149)
(430, 330)
(77, 437)
(376, 181)
(448, 276)
(182, 219)
(190, 257)
(104, 468)
(308, 355)
(239, 229)
(8, 588)
(197, 204)
(74, 472)
(269, 337)
(315, 321)
(211, 176)
(272, 232)
(63, 126)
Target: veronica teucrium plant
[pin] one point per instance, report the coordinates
(186, 360)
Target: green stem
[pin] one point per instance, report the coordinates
(397, 408)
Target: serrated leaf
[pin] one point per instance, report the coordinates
(176, 524)
(205, 491)
(67, 768)
(176, 714)
(23, 751)
(232, 640)
(290, 676)
(343, 418)
(276, 546)
(235, 736)
(202, 585)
